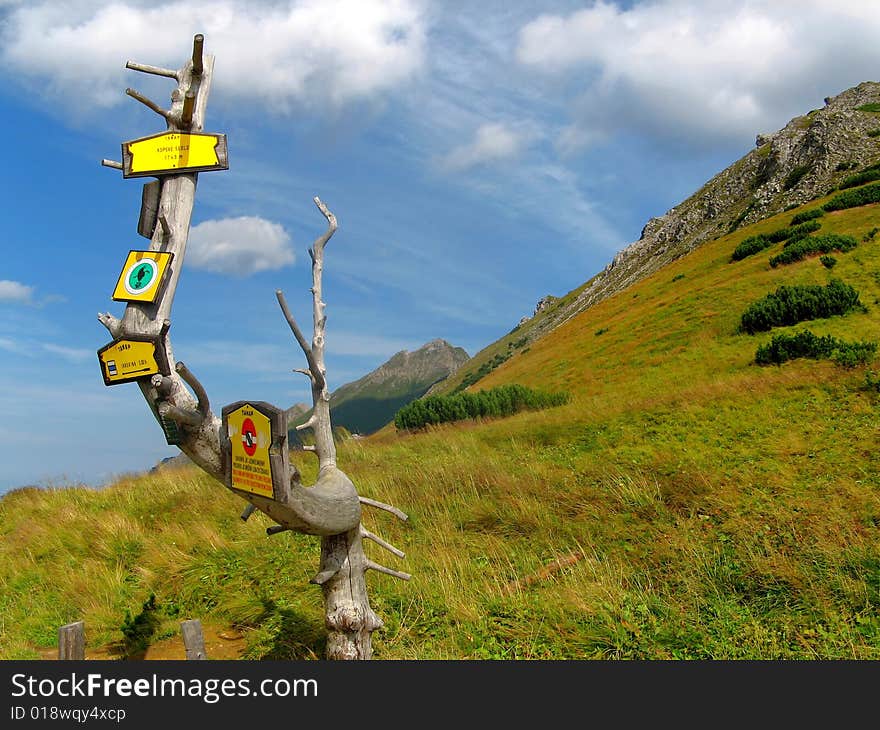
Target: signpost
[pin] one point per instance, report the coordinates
(256, 456)
(132, 358)
(143, 276)
(172, 152)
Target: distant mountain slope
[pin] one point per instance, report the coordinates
(804, 160)
(367, 404)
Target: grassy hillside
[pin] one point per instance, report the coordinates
(686, 503)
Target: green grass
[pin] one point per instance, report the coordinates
(686, 503)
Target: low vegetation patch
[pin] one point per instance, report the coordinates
(806, 215)
(800, 249)
(872, 107)
(505, 400)
(860, 178)
(829, 262)
(751, 246)
(790, 305)
(756, 244)
(854, 198)
(784, 347)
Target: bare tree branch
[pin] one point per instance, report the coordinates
(113, 325)
(155, 70)
(379, 541)
(370, 565)
(204, 404)
(313, 371)
(149, 103)
(381, 505)
(179, 415)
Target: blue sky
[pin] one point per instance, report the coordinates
(477, 155)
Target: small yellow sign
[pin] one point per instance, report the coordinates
(130, 359)
(173, 152)
(142, 276)
(250, 436)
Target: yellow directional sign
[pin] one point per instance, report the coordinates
(172, 152)
(143, 276)
(131, 359)
(256, 452)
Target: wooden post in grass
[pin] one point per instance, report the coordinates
(72, 641)
(331, 507)
(193, 639)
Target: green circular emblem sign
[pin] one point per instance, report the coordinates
(140, 276)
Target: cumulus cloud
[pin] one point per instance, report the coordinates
(14, 291)
(239, 246)
(687, 69)
(310, 51)
(491, 143)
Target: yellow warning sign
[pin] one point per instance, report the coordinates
(250, 436)
(130, 359)
(142, 276)
(172, 152)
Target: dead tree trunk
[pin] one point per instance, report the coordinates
(331, 507)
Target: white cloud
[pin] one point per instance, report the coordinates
(74, 354)
(491, 143)
(311, 51)
(684, 69)
(14, 291)
(239, 246)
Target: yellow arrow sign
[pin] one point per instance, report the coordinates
(131, 359)
(173, 152)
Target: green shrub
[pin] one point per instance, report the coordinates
(854, 198)
(750, 246)
(846, 165)
(784, 347)
(795, 233)
(806, 215)
(852, 354)
(677, 277)
(874, 133)
(505, 400)
(869, 236)
(860, 178)
(872, 107)
(789, 305)
(794, 177)
(829, 262)
(138, 630)
(801, 248)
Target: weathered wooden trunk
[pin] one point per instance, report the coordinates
(330, 508)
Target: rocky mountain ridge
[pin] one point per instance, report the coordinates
(805, 159)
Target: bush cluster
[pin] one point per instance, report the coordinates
(803, 247)
(784, 347)
(756, 244)
(829, 262)
(505, 400)
(750, 246)
(854, 198)
(806, 215)
(860, 178)
(789, 305)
